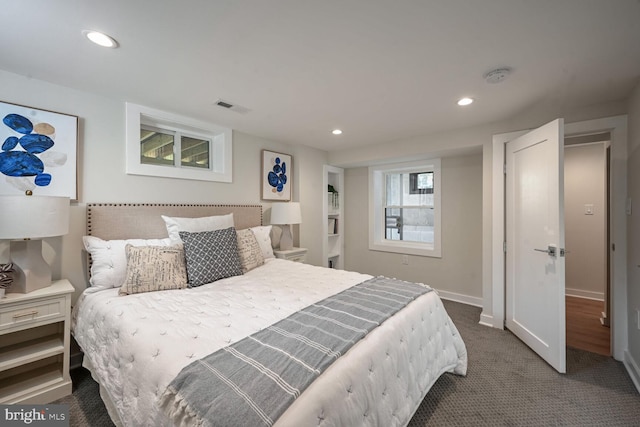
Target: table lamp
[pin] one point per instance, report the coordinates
(25, 220)
(286, 214)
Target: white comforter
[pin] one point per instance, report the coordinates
(136, 344)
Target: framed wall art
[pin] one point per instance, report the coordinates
(276, 176)
(38, 152)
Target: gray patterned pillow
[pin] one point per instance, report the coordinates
(249, 250)
(154, 268)
(211, 255)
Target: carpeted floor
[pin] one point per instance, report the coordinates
(506, 385)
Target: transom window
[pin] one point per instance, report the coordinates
(405, 208)
(158, 147)
(172, 146)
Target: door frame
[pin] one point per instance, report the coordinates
(617, 126)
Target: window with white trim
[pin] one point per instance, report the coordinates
(168, 145)
(404, 202)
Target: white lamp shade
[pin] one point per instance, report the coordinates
(286, 213)
(33, 217)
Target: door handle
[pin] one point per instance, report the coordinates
(551, 250)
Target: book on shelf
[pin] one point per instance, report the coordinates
(333, 201)
(333, 226)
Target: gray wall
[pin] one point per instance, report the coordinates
(633, 223)
(585, 235)
(102, 177)
(458, 274)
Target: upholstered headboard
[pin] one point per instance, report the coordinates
(111, 221)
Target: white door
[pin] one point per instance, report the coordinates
(535, 264)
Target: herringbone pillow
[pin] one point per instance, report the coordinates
(211, 255)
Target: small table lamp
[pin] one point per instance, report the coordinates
(286, 214)
(23, 218)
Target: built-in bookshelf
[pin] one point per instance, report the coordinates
(333, 241)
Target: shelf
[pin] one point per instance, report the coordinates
(26, 382)
(30, 351)
(333, 214)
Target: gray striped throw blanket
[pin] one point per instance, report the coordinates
(253, 381)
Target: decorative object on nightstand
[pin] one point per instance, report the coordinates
(34, 345)
(6, 277)
(286, 214)
(25, 220)
(293, 254)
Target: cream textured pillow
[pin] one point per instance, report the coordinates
(263, 237)
(154, 268)
(109, 260)
(194, 225)
(249, 250)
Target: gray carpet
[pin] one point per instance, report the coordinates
(506, 385)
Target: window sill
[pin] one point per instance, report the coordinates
(419, 249)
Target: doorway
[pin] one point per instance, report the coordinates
(586, 183)
(494, 228)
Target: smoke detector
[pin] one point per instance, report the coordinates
(497, 75)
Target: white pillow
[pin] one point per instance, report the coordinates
(263, 237)
(195, 225)
(109, 259)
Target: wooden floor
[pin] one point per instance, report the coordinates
(584, 330)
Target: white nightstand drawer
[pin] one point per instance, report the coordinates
(32, 312)
(295, 254)
(298, 258)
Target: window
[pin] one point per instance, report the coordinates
(167, 145)
(405, 208)
(157, 147)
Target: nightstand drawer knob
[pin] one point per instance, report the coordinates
(30, 313)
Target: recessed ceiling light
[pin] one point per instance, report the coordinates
(336, 131)
(465, 101)
(100, 39)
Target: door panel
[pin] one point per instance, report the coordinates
(535, 229)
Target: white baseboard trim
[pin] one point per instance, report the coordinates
(632, 369)
(464, 299)
(486, 320)
(571, 292)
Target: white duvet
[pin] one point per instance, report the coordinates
(135, 345)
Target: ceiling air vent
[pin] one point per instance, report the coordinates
(224, 104)
(232, 107)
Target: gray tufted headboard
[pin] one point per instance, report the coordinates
(111, 221)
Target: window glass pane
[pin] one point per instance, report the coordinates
(398, 190)
(156, 147)
(421, 182)
(409, 224)
(393, 189)
(195, 152)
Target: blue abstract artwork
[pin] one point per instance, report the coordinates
(38, 151)
(276, 176)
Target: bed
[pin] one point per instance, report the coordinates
(136, 346)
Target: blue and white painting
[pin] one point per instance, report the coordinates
(38, 152)
(276, 176)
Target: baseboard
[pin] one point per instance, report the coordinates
(632, 369)
(571, 292)
(486, 320)
(464, 299)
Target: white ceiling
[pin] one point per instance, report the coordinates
(381, 70)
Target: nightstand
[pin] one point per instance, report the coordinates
(295, 254)
(34, 345)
